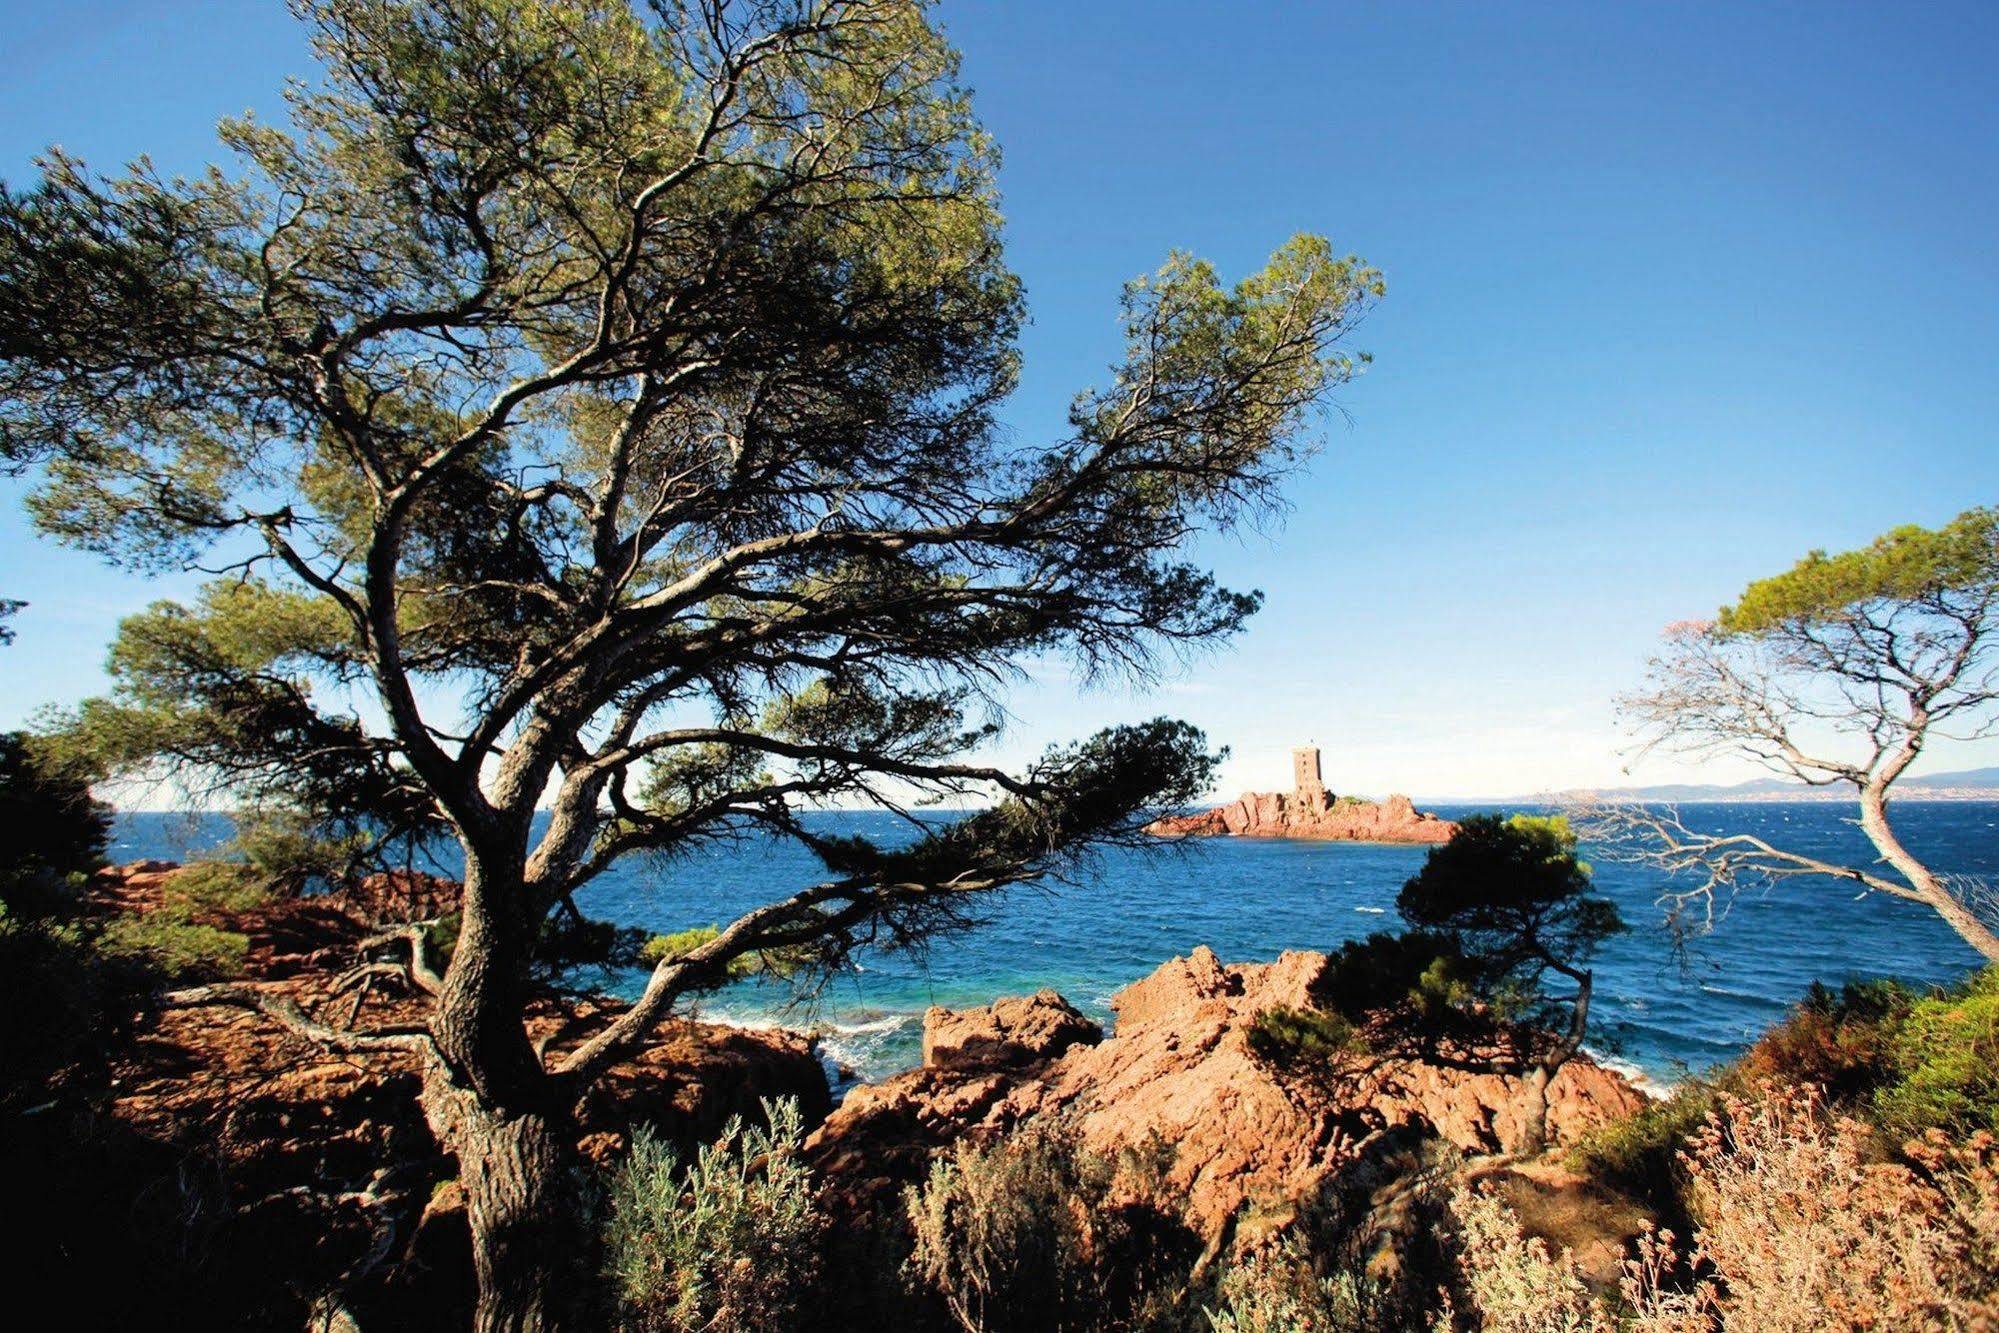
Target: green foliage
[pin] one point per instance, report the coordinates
(55, 830)
(1034, 1233)
(1946, 1061)
(1641, 1153)
(1418, 971)
(1843, 1041)
(1909, 564)
(1903, 1060)
(216, 886)
(678, 943)
(1279, 1289)
(730, 1241)
(1301, 1041)
(51, 985)
(54, 996)
(177, 950)
(177, 940)
(1516, 902)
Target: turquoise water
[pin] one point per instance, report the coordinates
(1128, 911)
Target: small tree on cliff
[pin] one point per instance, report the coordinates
(1837, 673)
(595, 409)
(1492, 913)
(1515, 904)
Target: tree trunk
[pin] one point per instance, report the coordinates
(490, 1102)
(1533, 1140)
(1874, 822)
(519, 1173)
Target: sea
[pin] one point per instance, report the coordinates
(1661, 1012)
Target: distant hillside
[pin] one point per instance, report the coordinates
(1966, 784)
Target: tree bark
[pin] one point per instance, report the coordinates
(1533, 1138)
(1874, 823)
(519, 1174)
(489, 1102)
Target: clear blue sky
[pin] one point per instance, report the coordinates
(1676, 293)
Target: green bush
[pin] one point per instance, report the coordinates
(172, 948)
(1302, 1043)
(731, 1241)
(1843, 1041)
(1946, 1063)
(171, 944)
(1640, 1153)
(55, 1005)
(1001, 1233)
(216, 886)
(1035, 1233)
(55, 830)
(1418, 968)
(1905, 1061)
(1279, 1289)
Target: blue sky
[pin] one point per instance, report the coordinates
(1676, 293)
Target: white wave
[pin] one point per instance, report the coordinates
(888, 1023)
(1373, 911)
(1639, 1077)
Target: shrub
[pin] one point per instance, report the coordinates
(216, 886)
(1946, 1063)
(1806, 1232)
(171, 948)
(1001, 1233)
(55, 829)
(1641, 1153)
(55, 1005)
(171, 944)
(1279, 1289)
(1843, 1041)
(1418, 969)
(1510, 1283)
(730, 1242)
(1301, 1042)
(1033, 1233)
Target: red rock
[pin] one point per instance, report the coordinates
(393, 896)
(1177, 1067)
(1310, 815)
(1007, 1032)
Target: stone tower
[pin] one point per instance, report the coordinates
(1307, 786)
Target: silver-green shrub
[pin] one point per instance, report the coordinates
(730, 1241)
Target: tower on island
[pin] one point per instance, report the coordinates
(1306, 783)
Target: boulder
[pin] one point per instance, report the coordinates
(1008, 1032)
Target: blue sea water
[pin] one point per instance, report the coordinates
(1250, 899)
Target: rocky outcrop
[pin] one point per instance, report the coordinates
(1008, 1032)
(402, 895)
(1178, 1068)
(1311, 814)
(686, 1082)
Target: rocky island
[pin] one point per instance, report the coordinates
(1308, 810)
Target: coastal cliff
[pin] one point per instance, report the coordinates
(1312, 813)
(1178, 1069)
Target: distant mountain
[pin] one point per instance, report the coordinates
(1966, 784)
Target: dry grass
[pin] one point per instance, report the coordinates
(1801, 1227)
